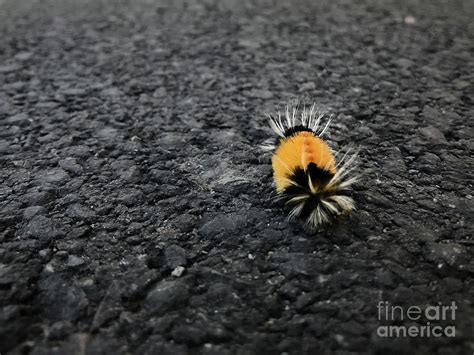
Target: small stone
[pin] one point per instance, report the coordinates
(71, 165)
(135, 227)
(461, 84)
(113, 91)
(429, 158)
(80, 211)
(429, 163)
(223, 223)
(44, 253)
(185, 222)
(20, 119)
(409, 20)
(175, 256)
(122, 165)
(428, 204)
(78, 151)
(23, 56)
(30, 212)
(108, 133)
(429, 113)
(40, 227)
(250, 43)
(74, 92)
(130, 197)
(403, 62)
(259, 94)
(166, 296)
(54, 176)
(308, 86)
(74, 261)
(9, 68)
(296, 263)
(61, 300)
(47, 105)
(433, 135)
(178, 271)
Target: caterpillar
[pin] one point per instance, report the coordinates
(307, 174)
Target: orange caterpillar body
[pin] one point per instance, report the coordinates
(305, 170)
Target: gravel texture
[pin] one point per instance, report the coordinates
(137, 210)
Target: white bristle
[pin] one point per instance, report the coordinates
(308, 118)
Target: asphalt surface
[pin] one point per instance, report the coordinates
(137, 210)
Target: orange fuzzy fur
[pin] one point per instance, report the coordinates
(298, 150)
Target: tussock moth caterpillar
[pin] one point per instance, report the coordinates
(307, 175)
